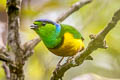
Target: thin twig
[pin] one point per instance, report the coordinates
(6, 69)
(31, 44)
(28, 47)
(95, 43)
(72, 9)
(29, 5)
(4, 58)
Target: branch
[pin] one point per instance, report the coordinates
(72, 9)
(6, 69)
(5, 58)
(96, 42)
(31, 44)
(28, 47)
(13, 24)
(13, 40)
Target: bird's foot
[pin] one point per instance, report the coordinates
(70, 59)
(58, 65)
(56, 70)
(60, 61)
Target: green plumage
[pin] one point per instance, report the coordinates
(51, 35)
(67, 28)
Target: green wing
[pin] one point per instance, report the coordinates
(67, 28)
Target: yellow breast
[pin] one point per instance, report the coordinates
(69, 47)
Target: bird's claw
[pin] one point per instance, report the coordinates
(70, 59)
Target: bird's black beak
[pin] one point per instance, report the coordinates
(33, 26)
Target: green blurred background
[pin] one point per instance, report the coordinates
(90, 19)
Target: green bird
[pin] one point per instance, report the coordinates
(61, 39)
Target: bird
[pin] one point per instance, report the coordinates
(60, 39)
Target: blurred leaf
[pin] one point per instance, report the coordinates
(2, 4)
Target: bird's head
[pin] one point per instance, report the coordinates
(47, 30)
(44, 24)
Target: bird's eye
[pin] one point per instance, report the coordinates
(43, 24)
